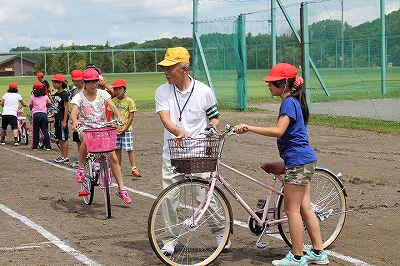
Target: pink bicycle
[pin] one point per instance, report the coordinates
(99, 142)
(188, 213)
(23, 134)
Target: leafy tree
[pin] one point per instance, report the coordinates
(20, 48)
(145, 62)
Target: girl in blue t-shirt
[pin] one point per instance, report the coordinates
(300, 161)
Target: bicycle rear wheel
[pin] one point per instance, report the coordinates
(328, 195)
(41, 140)
(105, 184)
(171, 222)
(89, 182)
(23, 135)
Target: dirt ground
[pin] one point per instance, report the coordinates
(44, 222)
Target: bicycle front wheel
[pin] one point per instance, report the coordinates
(171, 222)
(105, 184)
(329, 199)
(89, 182)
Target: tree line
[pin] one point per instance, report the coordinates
(362, 46)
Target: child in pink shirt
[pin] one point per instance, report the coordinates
(38, 104)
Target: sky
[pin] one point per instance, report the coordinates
(51, 23)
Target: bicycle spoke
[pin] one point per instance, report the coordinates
(329, 203)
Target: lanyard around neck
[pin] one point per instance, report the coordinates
(177, 102)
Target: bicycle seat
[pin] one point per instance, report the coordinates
(275, 168)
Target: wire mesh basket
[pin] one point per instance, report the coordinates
(194, 155)
(102, 139)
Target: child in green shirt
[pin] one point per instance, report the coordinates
(125, 141)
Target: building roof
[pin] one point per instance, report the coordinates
(7, 58)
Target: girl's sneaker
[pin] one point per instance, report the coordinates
(80, 175)
(61, 160)
(135, 173)
(313, 258)
(290, 260)
(123, 194)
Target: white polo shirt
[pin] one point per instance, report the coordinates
(193, 106)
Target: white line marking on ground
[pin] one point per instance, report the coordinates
(27, 246)
(53, 239)
(239, 223)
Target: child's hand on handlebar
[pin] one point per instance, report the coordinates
(241, 128)
(120, 121)
(75, 125)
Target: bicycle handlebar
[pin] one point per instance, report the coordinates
(212, 132)
(101, 124)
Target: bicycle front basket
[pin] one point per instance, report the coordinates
(102, 139)
(197, 155)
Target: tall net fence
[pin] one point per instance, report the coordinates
(345, 46)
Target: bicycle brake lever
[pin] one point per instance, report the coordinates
(209, 131)
(230, 130)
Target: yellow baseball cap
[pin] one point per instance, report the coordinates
(174, 56)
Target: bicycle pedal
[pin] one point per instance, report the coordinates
(262, 245)
(261, 203)
(83, 193)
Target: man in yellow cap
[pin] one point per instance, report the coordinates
(186, 107)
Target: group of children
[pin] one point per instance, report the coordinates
(93, 100)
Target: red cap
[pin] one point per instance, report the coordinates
(38, 85)
(59, 77)
(90, 74)
(76, 74)
(40, 74)
(13, 85)
(281, 71)
(119, 83)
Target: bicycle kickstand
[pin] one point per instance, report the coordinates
(261, 244)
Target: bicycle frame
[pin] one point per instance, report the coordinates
(23, 133)
(262, 221)
(97, 159)
(271, 191)
(21, 123)
(203, 206)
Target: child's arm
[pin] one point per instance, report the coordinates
(24, 104)
(74, 117)
(64, 123)
(128, 123)
(275, 131)
(130, 119)
(48, 101)
(30, 102)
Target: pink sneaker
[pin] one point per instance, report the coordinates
(123, 194)
(80, 175)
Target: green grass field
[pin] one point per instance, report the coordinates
(343, 84)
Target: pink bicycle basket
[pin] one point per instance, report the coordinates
(100, 139)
